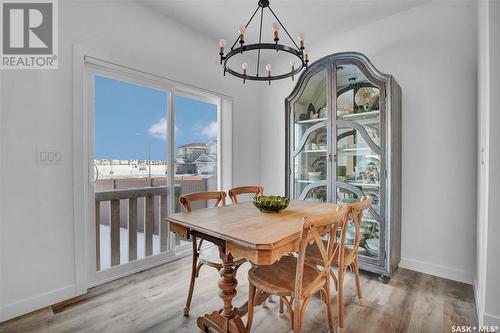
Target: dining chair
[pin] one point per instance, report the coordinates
(200, 257)
(234, 192)
(292, 277)
(346, 257)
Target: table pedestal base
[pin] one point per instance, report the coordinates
(221, 324)
(226, 320)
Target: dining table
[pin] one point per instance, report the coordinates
(242, 231)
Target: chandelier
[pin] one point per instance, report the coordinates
(300, 54)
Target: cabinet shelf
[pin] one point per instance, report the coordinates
(360, 184)
(365, 151)
(361, 116)
(310, 121)
(308, 181)
(312, 151)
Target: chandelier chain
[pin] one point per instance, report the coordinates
(260, 39)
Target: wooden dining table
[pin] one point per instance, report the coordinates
(242, 231)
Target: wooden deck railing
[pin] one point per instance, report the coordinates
(132, 195)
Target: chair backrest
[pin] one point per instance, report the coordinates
(312, 231)
(355, 215)
(234, 192)
(187, 199)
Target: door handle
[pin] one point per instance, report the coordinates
(95, 171)
(332, 158)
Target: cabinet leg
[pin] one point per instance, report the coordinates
(384, 278)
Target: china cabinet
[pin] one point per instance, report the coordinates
(343, 141)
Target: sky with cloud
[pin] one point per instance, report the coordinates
(130, 118)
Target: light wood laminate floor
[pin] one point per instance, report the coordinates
(152, 301)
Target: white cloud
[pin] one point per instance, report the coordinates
(210, 130)
(159, 129)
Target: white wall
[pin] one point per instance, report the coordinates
(431, 51)
(37, 243)
(487, 273)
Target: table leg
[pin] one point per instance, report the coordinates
(226, 320)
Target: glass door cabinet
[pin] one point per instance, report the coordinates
(343, 142)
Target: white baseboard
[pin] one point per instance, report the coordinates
(437, 270)
(27, 305)
(491, 320)
(37, 302)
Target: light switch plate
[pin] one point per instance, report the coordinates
(49, 156)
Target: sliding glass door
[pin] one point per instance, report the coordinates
(150, 143)
(196, 146)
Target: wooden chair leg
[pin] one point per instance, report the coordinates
(281, 308)
(328, 302)
(358, 283)
(288, 307)
(340, 300)
(251, 297)
(334, 279)
(198, 267)
(297, 315)
(194, 273)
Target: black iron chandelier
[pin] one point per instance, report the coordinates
(298, 51)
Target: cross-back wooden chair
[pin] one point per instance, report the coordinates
(198, 259)
(292, 277)
(234, 192)
(345, 257)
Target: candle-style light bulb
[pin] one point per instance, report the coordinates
(306, 55)
(268, 69)
(244, 66)
(222, 44)
(276, 29)
(301, 40)
(241, 31)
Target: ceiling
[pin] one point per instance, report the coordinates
(316, 19)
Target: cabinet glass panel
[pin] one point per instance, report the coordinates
(369, 244)
(317, 193)
(309, 164)
(358, 165)
(358, 153)
(358, 100)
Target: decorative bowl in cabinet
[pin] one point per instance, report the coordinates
(314, 176)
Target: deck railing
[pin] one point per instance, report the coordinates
(154, 208)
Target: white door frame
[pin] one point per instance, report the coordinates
(83, 158)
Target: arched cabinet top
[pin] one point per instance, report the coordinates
(354, 58)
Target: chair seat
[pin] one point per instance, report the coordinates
(279, 278)
(313, 255)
